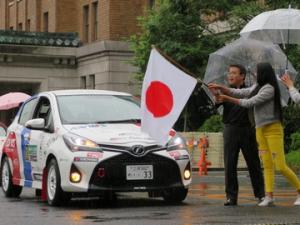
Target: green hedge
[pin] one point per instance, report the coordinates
(293, 158)
(213, 124)
(295, 141)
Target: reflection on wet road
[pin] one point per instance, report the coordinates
(204, 205)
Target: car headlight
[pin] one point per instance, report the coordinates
(176, 143)
(78, 143)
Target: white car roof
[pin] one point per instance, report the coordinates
(86, 92)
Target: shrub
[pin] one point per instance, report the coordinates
(295, 141)
(291, 117)
(213, 124)
(293, 158)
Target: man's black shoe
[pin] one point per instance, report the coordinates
(230, 202)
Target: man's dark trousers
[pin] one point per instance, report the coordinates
(242, 138)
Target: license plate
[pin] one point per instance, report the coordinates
(139, 172)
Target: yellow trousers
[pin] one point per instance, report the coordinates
(271, 147)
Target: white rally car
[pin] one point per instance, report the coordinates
(89, 142)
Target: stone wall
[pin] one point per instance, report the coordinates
(33, 15)
(109, 63)
(123, 17)
(12, 15)
(3, 14)
(214, 151)
(49, 6)
(67, 16)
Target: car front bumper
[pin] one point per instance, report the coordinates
(166, 174)
(109, 173)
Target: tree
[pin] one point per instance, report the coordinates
(175, 27)
(213, 124)
(291, 117)
(276, 4)
(295, 141)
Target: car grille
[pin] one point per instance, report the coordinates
(143, 150)
(166, 173)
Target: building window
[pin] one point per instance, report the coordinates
(152, 3)
(11, 3)
(20, 27)
(83, 82)
(95, 21)
(86, 23)
(28, 25)
(11, 28)
(46, 22)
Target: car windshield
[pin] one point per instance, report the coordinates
(86, 109)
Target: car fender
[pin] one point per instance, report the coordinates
(182, 158)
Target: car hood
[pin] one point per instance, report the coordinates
(113, 134)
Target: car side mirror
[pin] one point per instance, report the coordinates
(36, 124)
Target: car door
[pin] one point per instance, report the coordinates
(39, 139)
(22, 135)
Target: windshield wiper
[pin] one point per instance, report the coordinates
(120, 121)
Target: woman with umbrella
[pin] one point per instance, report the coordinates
(295, 95)
(265, 98)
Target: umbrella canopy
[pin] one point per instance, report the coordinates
(279, 26)
(248, 52)
(12, 100)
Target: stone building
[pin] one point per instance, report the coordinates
(64, 44)
(101, 61)
(94, 20)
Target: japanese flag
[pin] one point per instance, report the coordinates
(166, 89)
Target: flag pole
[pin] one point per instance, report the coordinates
(171, 60)
(185, 118)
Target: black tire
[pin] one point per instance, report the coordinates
(55, 195)
(174, 195)
(10, 190)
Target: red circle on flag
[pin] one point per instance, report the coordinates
(159, 99)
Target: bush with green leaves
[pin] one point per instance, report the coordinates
(295, 142)
(213, 124)
(291, 117)
(293, 158)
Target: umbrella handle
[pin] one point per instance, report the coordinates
(201, 82)
(286, 71)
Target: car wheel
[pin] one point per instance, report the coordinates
(9, 189)
(174, 195)
(55, 195)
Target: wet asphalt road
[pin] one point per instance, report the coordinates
(204, 205)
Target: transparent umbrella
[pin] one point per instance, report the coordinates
(248, 52)
(281, 26)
